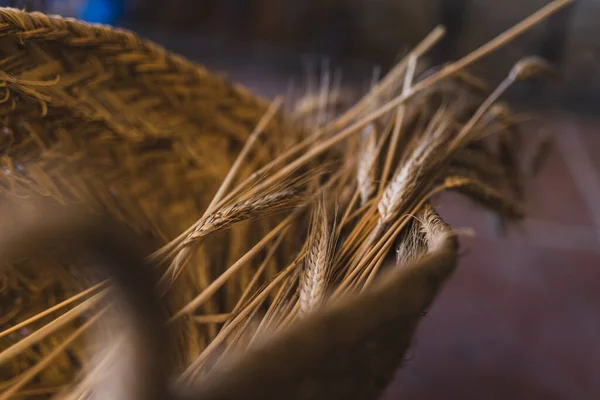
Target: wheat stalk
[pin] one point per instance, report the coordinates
(365, 174)
(428, 143)
(317, 264)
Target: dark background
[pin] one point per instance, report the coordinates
(361, 32)
(520, 318)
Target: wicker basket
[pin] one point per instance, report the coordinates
(95, 117)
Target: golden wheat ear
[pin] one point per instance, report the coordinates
(348, 350)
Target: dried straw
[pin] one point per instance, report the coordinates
(221, 183)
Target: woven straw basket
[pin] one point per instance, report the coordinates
(97, 116)
(97, 119)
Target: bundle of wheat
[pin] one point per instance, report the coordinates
(294, 246)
